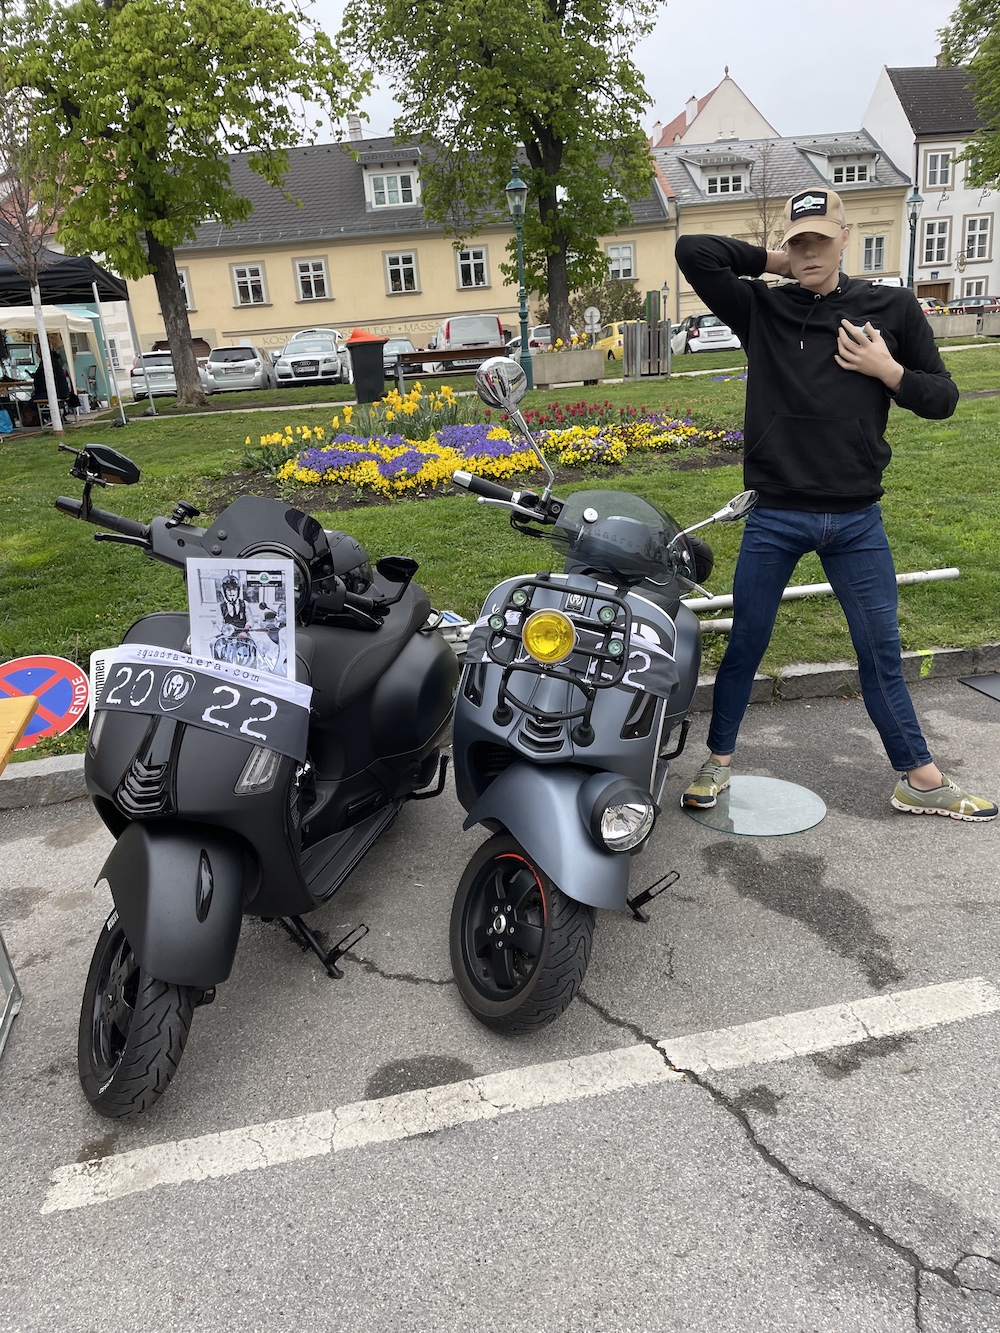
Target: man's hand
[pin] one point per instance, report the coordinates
(865, 351)
(777, 263)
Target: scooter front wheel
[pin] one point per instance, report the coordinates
(519, 945)
(132, 1029)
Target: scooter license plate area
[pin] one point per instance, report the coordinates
(250, 706)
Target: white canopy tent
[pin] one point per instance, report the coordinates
(21, 319)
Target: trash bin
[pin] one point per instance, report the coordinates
(366, 360)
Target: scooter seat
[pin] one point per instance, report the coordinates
(345, 662)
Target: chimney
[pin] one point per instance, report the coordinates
(655, 136)
(354, 128)
(690, 110)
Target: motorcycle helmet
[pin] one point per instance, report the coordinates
(350, 562)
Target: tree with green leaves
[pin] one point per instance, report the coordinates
(972, 38)
(148, 98)
(548, 81)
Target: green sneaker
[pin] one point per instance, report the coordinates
(948, 800)
(703, 792)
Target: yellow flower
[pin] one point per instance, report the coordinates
(336, 420)
(348, 413)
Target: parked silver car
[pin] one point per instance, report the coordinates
(313, 358)
(155, 370)
(242, 367)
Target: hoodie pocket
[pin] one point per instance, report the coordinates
(817, 458)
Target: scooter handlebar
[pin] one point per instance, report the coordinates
(103, 518)
(491, 490)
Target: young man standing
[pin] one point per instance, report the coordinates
(826, 355)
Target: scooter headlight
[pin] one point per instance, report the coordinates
(625, 824)
(549, 636)
(621, 815)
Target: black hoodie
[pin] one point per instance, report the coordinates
(814, 433)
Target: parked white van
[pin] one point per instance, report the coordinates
(468, 331)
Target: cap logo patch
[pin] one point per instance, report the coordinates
(808, 205)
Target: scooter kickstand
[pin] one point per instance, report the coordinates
(297, 928)
(647, 895)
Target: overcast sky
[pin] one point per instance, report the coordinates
(809, 68)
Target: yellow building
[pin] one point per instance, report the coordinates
(739, 187)
(346, 246)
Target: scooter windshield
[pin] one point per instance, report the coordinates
(616, 534)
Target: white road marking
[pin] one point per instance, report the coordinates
(360, 1124)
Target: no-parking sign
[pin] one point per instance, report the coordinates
(60, 686)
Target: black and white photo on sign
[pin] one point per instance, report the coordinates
(243, 613)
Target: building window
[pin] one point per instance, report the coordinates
(732, 184)
(113, 353)
(938, 170)
(974, 287)
(248, 281)
(310, 275)
(874, 254)
(472, 267)
(850, 172)
(621, 262)
(977, 238)
(401, 271)
(936, 241)
(391, 191)
(184, 278)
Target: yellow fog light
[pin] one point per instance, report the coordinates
(548, 636)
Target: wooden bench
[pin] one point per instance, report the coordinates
(15, 714)
(443, 357)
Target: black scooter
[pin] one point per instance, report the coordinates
(227, 797)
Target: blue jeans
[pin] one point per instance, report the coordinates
(857, 562)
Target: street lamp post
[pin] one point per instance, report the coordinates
(914, 204)
(517, 194)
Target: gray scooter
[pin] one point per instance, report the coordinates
(574, 684)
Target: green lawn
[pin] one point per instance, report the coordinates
(61, 592)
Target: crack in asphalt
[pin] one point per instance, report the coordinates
(367, 965)
(871, 1229)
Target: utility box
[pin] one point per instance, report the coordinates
(646, 348)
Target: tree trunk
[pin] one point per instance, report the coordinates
(558, 292)
(175, 321)
(46, 355)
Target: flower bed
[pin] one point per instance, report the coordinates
(380, 450)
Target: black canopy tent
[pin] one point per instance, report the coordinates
(64, 280)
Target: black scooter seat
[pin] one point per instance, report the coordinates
(346, 662)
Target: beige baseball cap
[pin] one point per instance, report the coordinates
(813, 210)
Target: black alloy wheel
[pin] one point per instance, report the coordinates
(132, 1029)
(519, 945)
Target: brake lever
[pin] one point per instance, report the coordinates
(122, 539)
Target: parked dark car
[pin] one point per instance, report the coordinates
(391, 351)
(974, 305)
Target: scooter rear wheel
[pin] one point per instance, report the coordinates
(519, 945)
(132, 1029)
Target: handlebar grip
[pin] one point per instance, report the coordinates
(480, 486)
(103, 518)
(359, 602)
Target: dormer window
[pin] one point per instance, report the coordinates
(731, 183)
(392, 190)
(846, 173)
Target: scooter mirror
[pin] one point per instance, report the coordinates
(397, 568)
(111, 467)
(501, 382)
(738, 507)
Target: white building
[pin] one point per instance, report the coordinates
(923, 117)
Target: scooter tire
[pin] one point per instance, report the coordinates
(525, 975)
(133, 1028)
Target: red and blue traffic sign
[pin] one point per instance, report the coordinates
(60, 686)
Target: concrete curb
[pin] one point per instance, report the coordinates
(51, 781)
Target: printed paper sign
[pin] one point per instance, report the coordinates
(243, 613)
(220, 697)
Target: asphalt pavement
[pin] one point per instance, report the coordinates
(773, 1107)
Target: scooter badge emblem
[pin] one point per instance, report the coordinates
(176, 687)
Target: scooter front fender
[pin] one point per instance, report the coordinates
(541, 808)
(178, 889)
